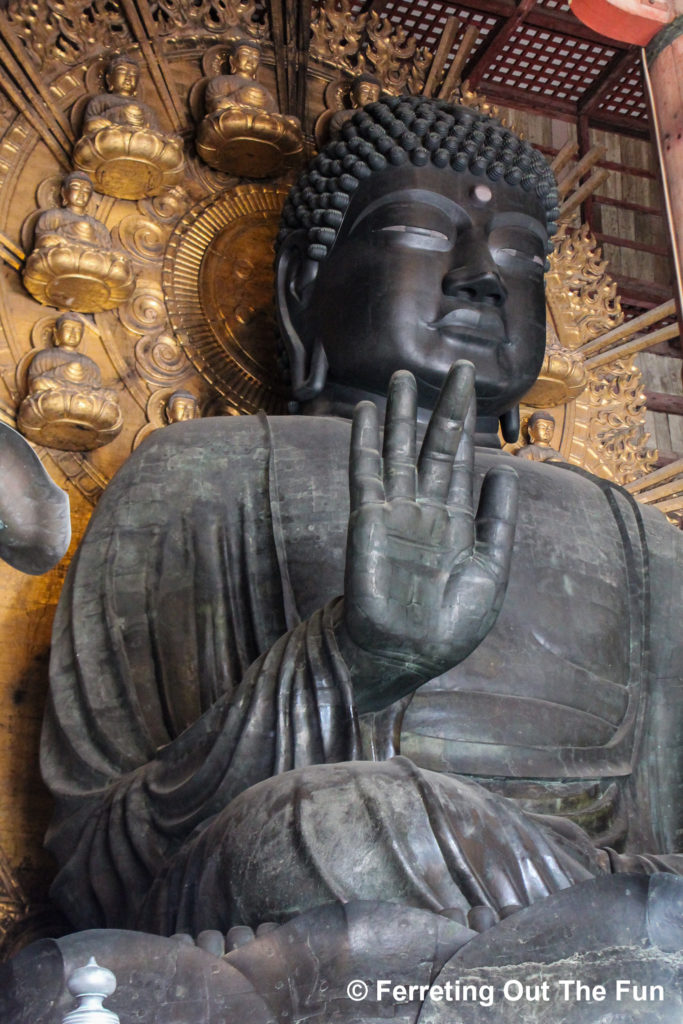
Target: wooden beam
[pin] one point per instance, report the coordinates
(545, 18)
(632, 347)
(495, 43)
(525, 99)
(563, 157)
(443, 49)
(629, 327)
(620, 125)
(626, 204)
(454, 76)
(659, 401)
(582, 194)
(585, 164)
(629, 243)
(637, 292)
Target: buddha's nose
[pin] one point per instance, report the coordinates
(475, 284)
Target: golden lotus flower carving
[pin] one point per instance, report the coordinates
(249, 143)
(87, 280)
(71, 421)
(130, 164)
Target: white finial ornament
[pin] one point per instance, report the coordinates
(91, 985)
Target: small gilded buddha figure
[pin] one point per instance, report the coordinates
(122, 145)
(242, 132)
(66, 406)
(366, 88)
(73, 264)
(540, 428)
(181, 406)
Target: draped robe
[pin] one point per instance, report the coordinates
(194, 657)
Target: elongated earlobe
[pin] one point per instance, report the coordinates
(295, 275)
(509, 424)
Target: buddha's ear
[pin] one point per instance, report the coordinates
(295, 276)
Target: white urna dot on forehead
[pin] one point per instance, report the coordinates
(482, 194)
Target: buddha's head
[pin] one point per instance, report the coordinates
(76, 191)
(419, 238)
(122, 75)
(366, 88)
(68, 331)
(540, 428)
(182, 405)
(245, 58)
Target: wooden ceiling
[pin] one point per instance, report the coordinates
(535, 54)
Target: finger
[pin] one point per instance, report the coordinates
(399, 437)
(365, 465)
(496, 519)
(435, 465)
(462, 475)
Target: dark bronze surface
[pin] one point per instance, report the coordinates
(241, 649)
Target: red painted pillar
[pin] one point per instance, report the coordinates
(656, 25)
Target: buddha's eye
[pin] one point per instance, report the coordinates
(519, 254)
(413, 237)
(512, 246)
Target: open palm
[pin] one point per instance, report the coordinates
(425, 579)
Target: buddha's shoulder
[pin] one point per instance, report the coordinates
(234, 446)
(555, 493)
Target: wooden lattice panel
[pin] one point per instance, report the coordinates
(426, 20)
(555, 5)
(626, 98)
(549, 64)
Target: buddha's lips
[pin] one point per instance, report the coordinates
(484, 323)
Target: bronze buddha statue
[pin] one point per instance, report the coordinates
(277, 696)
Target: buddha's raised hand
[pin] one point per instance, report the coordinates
(425, 577)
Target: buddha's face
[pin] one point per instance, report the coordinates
(182, 407)
(431, 266)
(123, 79)
(68, 333)
(76, 193)
(363, 92)
(541, 431)
(245, 61)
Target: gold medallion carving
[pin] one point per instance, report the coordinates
(218, 281)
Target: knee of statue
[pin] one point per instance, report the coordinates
(242, 132)
(73, 264)
(122, 146)
(66, 407)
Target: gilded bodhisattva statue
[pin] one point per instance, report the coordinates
(242, 131)
(73, 264)
(284, 682)
(66, 406)
(122, 145)
(540, 429)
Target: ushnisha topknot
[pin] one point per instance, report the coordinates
(398, 130)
